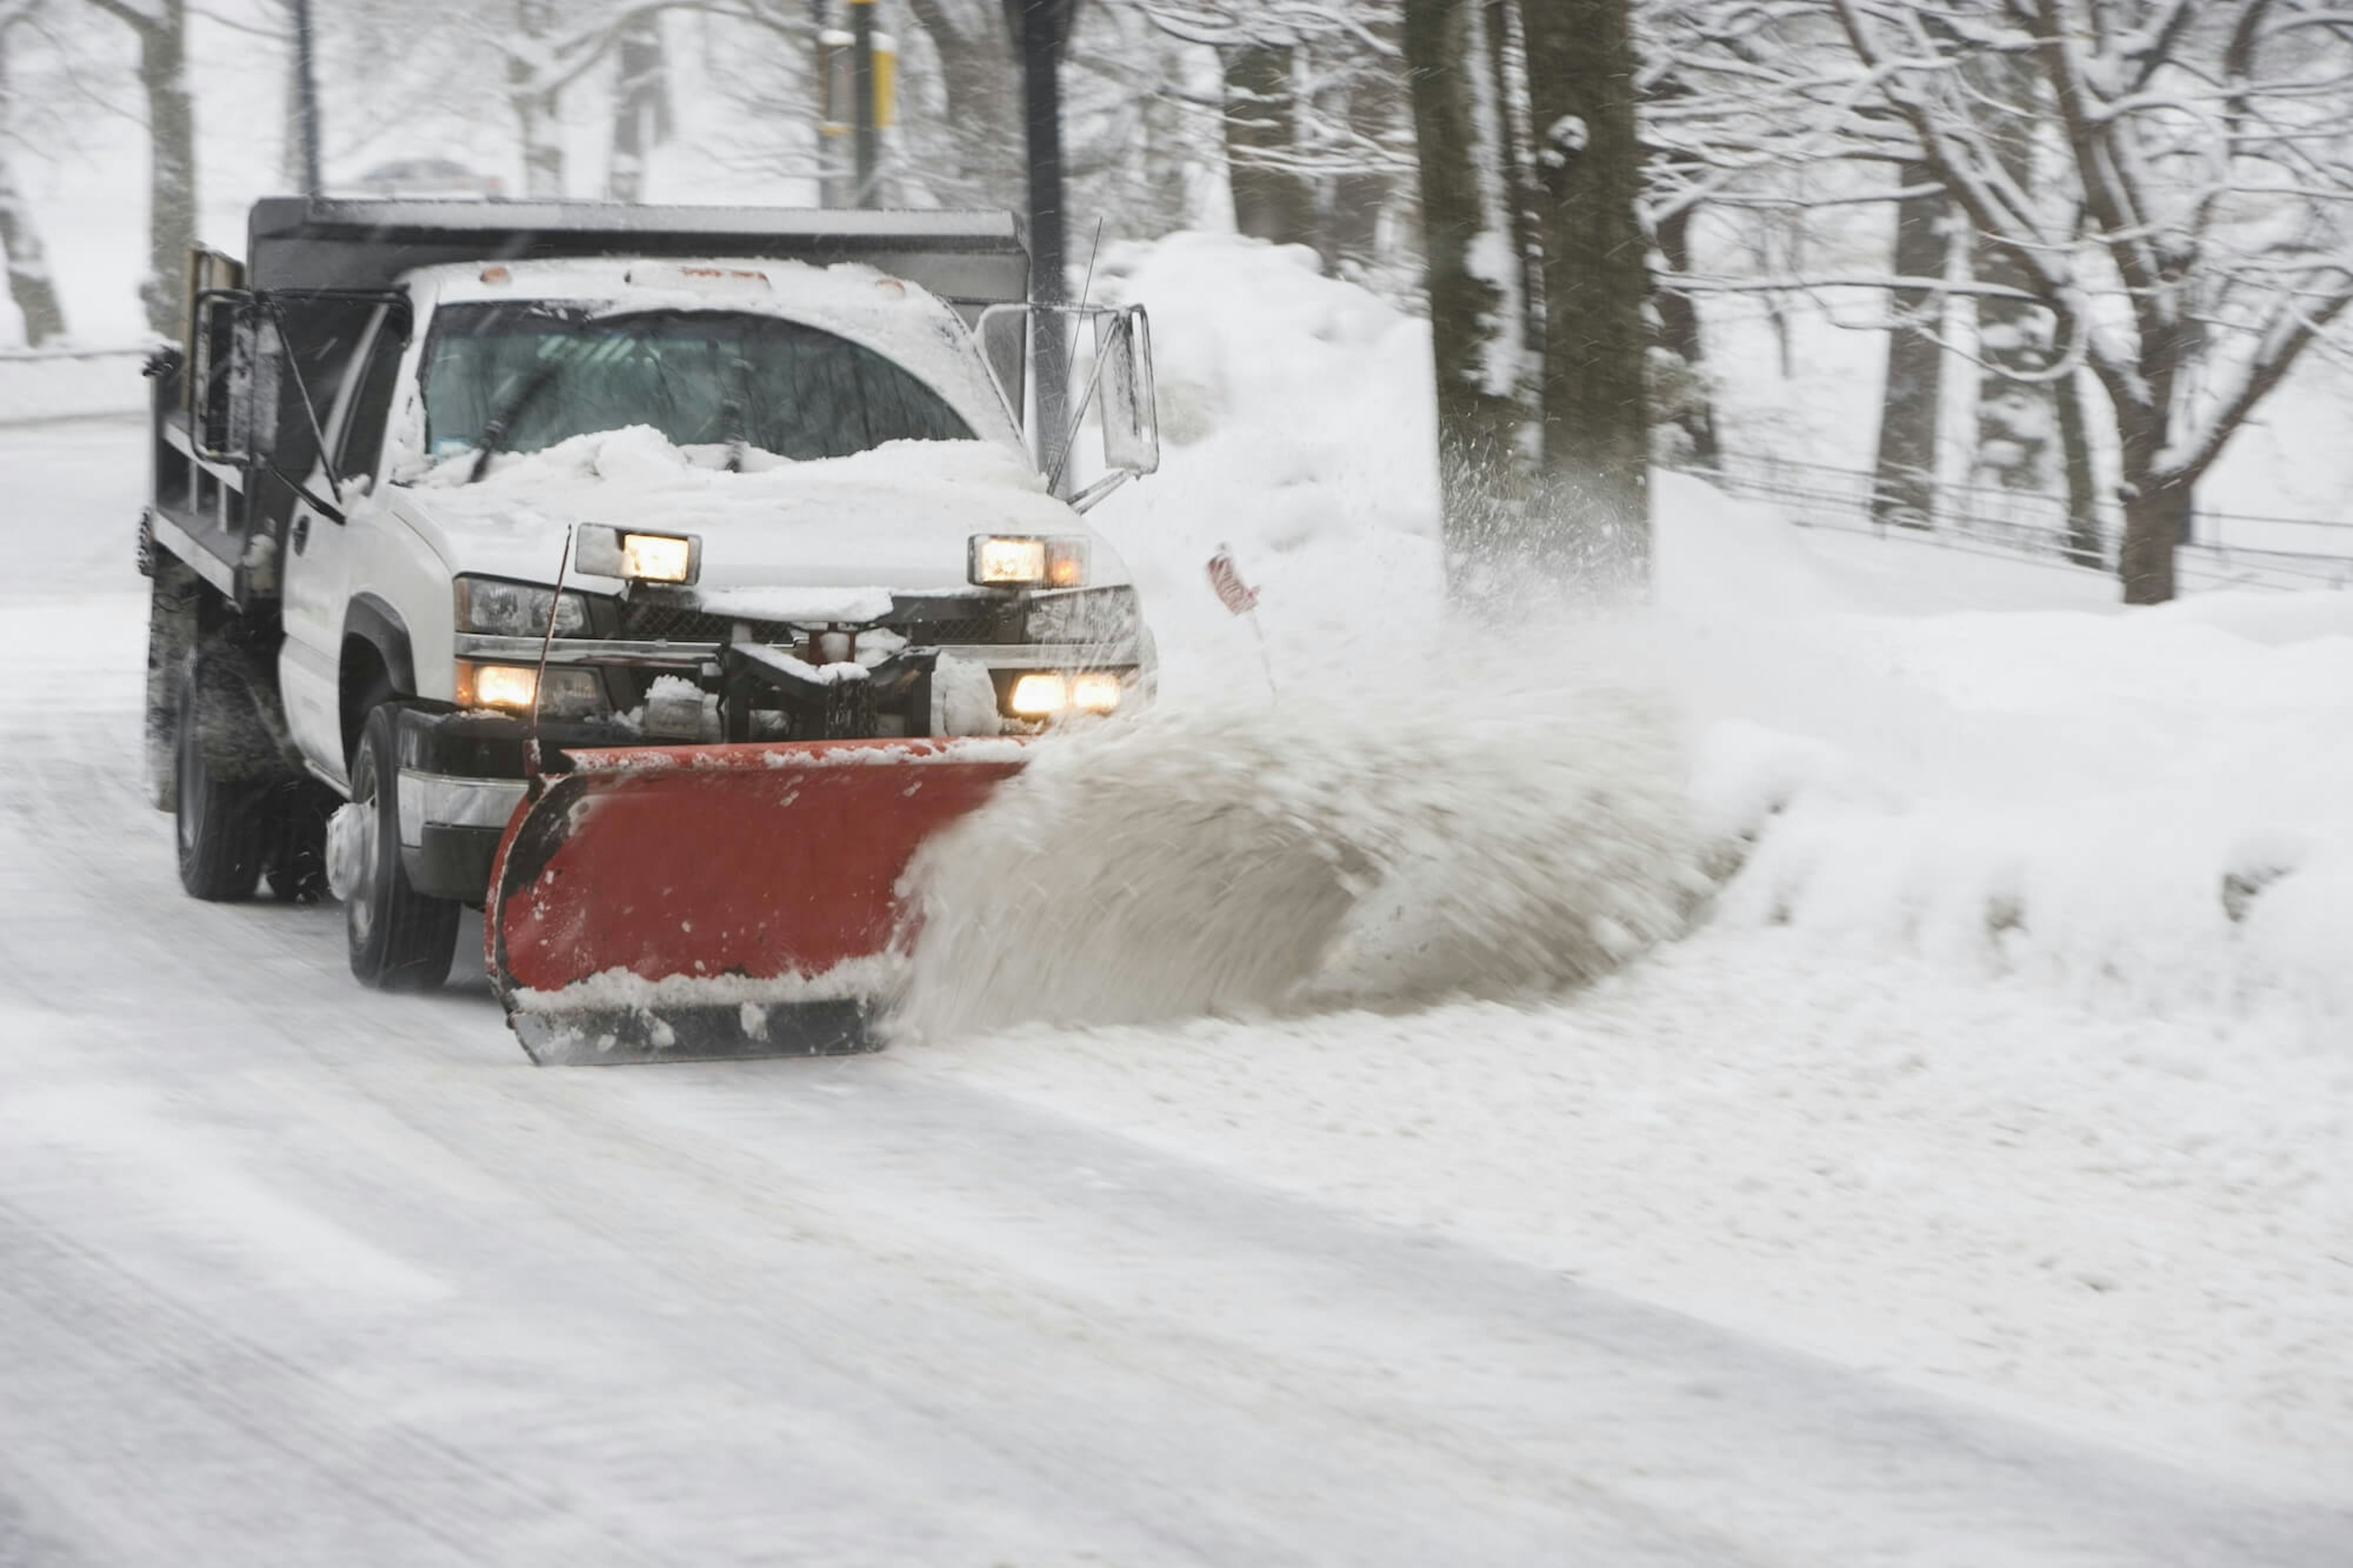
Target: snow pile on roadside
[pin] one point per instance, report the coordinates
(1296, 423)
(2150, 810)
(1985, 762)
(1308, 854)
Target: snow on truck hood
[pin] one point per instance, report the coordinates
(831, 532)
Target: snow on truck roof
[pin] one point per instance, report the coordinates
(294, 242)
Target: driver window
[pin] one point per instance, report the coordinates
(362, 445)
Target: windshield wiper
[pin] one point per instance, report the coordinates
(509, 412)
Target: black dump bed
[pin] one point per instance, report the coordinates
(297, 243)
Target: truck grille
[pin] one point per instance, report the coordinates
(922, 623)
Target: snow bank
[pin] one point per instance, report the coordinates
(1913, 751)
(1296, 424)
(2153, 810)
(66, 384)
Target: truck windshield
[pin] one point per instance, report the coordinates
(523, 377)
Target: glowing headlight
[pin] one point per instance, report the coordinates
(644, 557)
(1038, 695)
(572, 693)
(1097, 691)
(487, 606)
(1012, 561)
(495, 685)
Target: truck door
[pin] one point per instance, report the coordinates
(322, 550)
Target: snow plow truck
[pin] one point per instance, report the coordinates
(655, 580)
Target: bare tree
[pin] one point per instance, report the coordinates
(2203, 246)
(1904, 465)
(1316, 139)
(161, 28)
(30, 284)
(1476, 313)
(1596, 450)
(641, 108)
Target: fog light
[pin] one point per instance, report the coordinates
(1095, 692)
(1038, 696)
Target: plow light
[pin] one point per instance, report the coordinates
(1096, 691)
(643, 557)
(1038, 696)
(1013, 561)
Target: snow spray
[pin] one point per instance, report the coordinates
(1307, 855)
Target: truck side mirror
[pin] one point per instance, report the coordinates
(235, 354)
(1131, 416)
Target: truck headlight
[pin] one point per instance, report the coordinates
(642, 557)
(1103, 616)
(571, 693)
(499, 608)
(1022, 561)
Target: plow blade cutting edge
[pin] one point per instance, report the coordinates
(699, 902)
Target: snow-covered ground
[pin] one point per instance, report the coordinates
(2018, 1055)
(1971, 1186)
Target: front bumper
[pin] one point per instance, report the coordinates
(461, 779)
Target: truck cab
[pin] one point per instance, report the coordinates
(441, 490)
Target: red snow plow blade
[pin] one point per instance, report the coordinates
(700, 902)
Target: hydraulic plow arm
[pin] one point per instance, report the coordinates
(694, 902)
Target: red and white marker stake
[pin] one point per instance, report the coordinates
(1241, 599)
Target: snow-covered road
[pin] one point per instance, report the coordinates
(292, 1273)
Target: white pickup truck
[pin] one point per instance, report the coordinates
(435, 483)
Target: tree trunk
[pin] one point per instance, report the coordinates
(640, 108)
(30, 284)
(1262, 125)
(981, 83)
(1904, 473)
(170, 163)
(2157, 520)
(1691, 409)
(2082, 483)
(1044, 26)
(1596, 282)
(1466, 248)
(535, 106)
(1166, 158)
(28, 264)
(1353, 202)
(2015, 418)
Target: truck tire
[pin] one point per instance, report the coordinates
(296, 824)
(400, 940)
(171, 623)
(217, 823)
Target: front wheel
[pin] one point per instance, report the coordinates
(400, 940)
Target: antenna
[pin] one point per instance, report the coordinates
(1078, 415)
(531, 769)
(1093, 251)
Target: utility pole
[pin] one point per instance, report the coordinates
(861, 77)
(306, 98)
(1041, 30)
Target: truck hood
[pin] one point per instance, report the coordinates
(834, 531)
